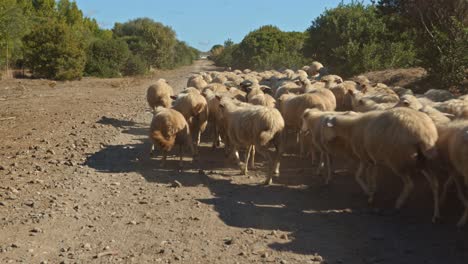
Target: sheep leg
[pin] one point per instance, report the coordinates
(359, 174)
(164, 159)
(244, 169)
(327, 168)
(252, 157)
(152, 150)
(447, 186)
(266, 154)
(434, 184)
(181, 150)
(215, 137)
(462, 197)
(318, 171)
(372, 172)
(408, 186)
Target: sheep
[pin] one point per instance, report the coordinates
(253, 125)
(237, 94)
(289, 87)
(438, 95)
(342, 95)
(214, 116)
(413, 102)
(220, 78)
(263, 99)
(216, 87)
(312, 120)
(455, 107)
(350, 130)
(464, 97)
(400, 91)
(403, 140)
(364, 101)
(293, 106)
(190, 90)
(314, 69)
(197, 81)
(452, 147)
(168, 128)
(194, 108)
(361, 80)
(159, 94)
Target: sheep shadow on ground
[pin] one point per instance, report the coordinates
(334, 221)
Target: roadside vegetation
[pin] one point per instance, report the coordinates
(55, 40)
(355, 38)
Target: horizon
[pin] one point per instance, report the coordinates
(194, 22)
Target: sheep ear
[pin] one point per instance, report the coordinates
(248, 89)
(406, 103)
(221, 106)
(339, 81)
(351, 92)
(173, 97)
(449, 115)
(218, 97)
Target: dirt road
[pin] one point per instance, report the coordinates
(74, 189)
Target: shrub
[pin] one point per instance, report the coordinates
(106, 58)
(353, 38)
(135, 65)
(54, 50)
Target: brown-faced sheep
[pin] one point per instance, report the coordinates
(253, 125)
(159, 94)
(168, 128)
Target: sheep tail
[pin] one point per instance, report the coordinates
(265, 137)
(197, 109)
(427, 153)
(165, 143)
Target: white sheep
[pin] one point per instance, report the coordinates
(194, 108)
(159, 94)
(403, 140)
(168, 128)
(452, 146)
(253, 125)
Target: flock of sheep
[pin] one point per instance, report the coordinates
(373, 125)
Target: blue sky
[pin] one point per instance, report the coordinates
(204, 23)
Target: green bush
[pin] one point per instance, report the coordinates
(106, 58)
(54, 50)
(153, 41)
(265, 48)
(353, 38)
(135, 65)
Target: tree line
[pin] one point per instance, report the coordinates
(54, 40)
(355, 38)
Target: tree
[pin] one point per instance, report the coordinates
(54, 51)
(12, 27)
(441, 28)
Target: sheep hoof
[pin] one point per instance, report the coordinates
(267, 182)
